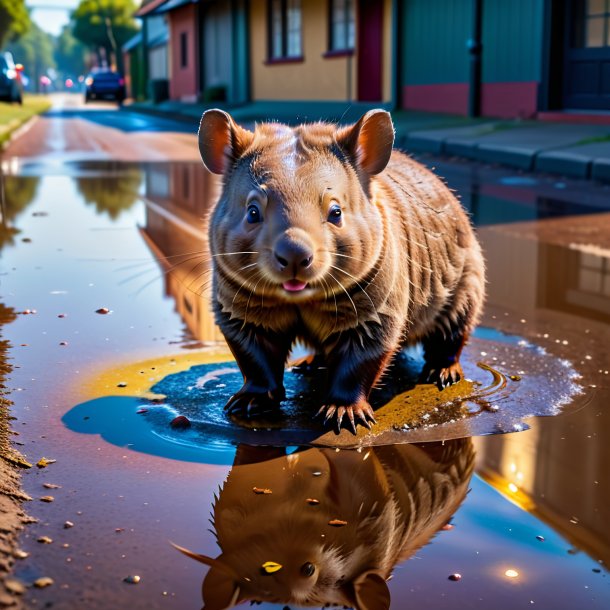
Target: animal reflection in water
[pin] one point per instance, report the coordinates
(320, 526)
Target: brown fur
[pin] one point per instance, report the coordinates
(394, 499)
(404, 265)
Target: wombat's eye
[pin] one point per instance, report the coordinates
(253, 214)
(308, 569)
(335, 214)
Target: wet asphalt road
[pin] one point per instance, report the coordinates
(87, 232)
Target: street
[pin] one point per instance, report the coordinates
(73, 130)
(105, 277)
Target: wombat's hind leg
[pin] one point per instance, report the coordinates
(442, 354)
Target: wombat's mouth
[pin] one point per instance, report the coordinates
(294, 285)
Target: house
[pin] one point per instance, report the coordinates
(503, 59)
(494, 58)
(155, 39)
(339, 50)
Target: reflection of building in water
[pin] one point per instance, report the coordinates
(558, 469)
(178, 199)
(323, 527)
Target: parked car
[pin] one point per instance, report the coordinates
(105, 85)
(10, 84)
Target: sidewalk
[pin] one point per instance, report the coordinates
(575, 150)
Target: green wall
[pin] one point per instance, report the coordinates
(512, 40)
(434, 35)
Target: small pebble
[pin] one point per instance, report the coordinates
(43, 462)
(102, 310)
(14, 586)
(541, 538)
(45, 581)
(61, 315)
(180, 422)
(121, 384)
(455, 577)
(132, 579)
(47, 499)
(51, 486)
(68, 525)
(19, 554)
(44, 540)
(63, 343)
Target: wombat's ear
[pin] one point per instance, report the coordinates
(369, 142)
(220, 592)
(221, 140)
(370, 592)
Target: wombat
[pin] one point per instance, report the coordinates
(326, 235)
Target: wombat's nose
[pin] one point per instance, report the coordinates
(293, 254)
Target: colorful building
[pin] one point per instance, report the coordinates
(480, 57)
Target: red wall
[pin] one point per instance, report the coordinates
(183, 81)
(446, 97)
(503, 100)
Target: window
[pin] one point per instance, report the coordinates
(285, 29)
(592, 23)
(184, 58)
(342, 29)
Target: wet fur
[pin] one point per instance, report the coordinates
(411, 268)
(394, 500)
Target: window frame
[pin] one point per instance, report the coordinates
(284, 33)
(184, 52)
(342, 51)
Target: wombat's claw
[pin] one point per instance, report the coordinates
(362, 411)
(248, 404)
(443, 377)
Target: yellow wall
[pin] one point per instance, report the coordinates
(317, 77)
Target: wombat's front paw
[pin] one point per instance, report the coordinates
(443, 377)
(250, 402)
(360, 410)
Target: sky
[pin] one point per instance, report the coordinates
(51, 15)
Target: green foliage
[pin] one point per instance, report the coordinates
(114, 195)
(14, 20)
(35, 51)
(69, 53)
(105, 24)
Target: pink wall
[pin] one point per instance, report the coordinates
(509, 100)
(183, 81)
(445, 97)
(503, 100)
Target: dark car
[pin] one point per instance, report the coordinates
(10, 86)
(105, 85)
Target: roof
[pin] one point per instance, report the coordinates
(170, 5)
(133, 42)
(148, 7)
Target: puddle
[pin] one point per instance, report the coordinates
(520, 381)
(97, 394)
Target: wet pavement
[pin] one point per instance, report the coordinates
(112, 338)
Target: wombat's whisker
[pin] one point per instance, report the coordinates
(348, 296)
(232, 253)
(336, 309)
(357, 284)
(252, 291)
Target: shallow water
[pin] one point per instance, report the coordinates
(97, 392)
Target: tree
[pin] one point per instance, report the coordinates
(14, 20)
(105, 26)
(35, 51)
(70, 53)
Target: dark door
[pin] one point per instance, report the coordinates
(587, 55)
(370, 51)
